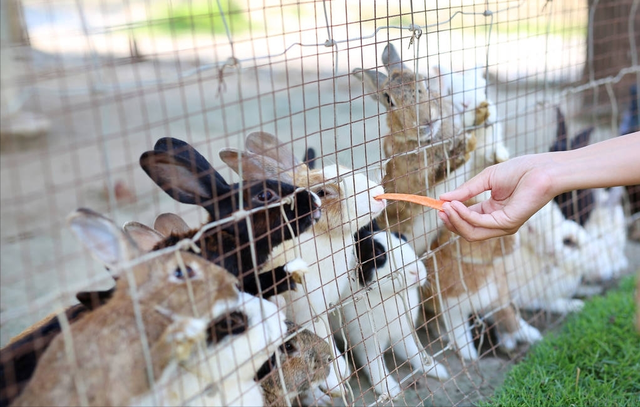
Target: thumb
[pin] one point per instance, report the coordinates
(471, 188)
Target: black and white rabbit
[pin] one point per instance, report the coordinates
(380, 322)
(184, 174)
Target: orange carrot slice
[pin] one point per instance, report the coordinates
(418, 199)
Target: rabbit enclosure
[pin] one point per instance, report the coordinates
(137, 108)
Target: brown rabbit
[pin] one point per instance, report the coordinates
(470, 279)
(19, 358)
(305, 360)
(110, 367)
(406, 171)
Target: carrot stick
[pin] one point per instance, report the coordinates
(418, 199)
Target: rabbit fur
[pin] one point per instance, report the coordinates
(608, 231)
(347, 204)
(472, 279)
(158, 282)
(305, 360)
(575, 205)
(405, 173)
(188, 177)
(546, 270)
(379, 321)
(468, 92)
(224, 375)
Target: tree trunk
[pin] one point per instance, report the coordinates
(611, 52)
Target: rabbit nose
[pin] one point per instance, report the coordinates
(424, 130)
(414, 278)
(316, 199)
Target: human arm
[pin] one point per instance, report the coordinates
(521, 186)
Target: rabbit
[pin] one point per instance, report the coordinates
(472, 278)
(237, 346)
(405, 171)
(184, 174)
(546, 270)
(19, 358)
(379, 321)
(101, 360)
(608, 230)
(305, 360)
(348, 204)
(468, 93)
(575, 205)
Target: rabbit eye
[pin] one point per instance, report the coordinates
(266, 196)
(321, 193)
(388, 98)
(287, 347)
(179, 274)
(569, 242)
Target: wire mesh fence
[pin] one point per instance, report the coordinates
(257, 266)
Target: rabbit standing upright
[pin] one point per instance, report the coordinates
(379, 321)
(187, 176)
(107, 373)
(470, 277)
(347, 204)
(426, 144)
(469, 96)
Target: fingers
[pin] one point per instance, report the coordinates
(471, 188)
(470, 224)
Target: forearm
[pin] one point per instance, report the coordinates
(613, 162)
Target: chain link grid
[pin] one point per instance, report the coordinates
(103, 100)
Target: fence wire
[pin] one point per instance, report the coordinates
(459, 301)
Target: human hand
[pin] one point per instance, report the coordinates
(519, 188)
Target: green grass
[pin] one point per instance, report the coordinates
(600, 343)
(197, 16)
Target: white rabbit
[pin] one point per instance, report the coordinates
(468, 92)
(347, 204)
(379, 321)
(546, 271)
(608, 230)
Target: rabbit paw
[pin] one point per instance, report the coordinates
(297, 268)
(482, 113)
(436, 370)
(184, 333)
(502, 154)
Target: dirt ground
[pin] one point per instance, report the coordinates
(95, 134)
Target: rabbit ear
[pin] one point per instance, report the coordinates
(94, 299)
(374, 83)
(255, 166)
(145, 237)
(310, 158)
(268, 145)
(170, 224)
(582, 138)
(615, 196)
(391, 59)
(181, 179)
(102, 237)
(561, 130)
